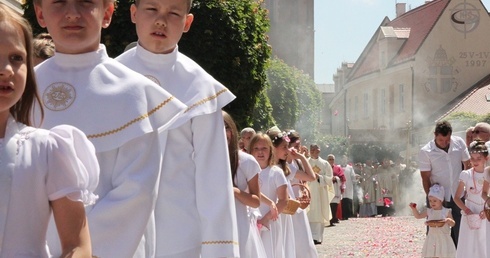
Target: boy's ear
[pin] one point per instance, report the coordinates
(188, 22)
(39, 16)
(133, 10)
(109, 10)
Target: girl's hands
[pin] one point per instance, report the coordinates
(467, 211)
(294, 154)
(482, 215)
(413, 205)
(274, 212)
(263, 222)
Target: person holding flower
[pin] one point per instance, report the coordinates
(438, 242)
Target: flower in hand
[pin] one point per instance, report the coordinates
(413, 205)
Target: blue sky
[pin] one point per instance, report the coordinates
(344, 27)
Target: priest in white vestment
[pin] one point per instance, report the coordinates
(321, 194)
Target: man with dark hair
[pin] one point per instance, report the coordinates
(440, 162)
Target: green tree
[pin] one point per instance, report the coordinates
(485, 118)
(330, 144)
(295, 99)
(375, 152)
(282, 93)
(228, 39)
(460, 121)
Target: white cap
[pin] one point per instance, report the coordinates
(437, 191)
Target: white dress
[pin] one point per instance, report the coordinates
(248, 234)
(438, 242)
(121, 112)
(288, 234)
(303, 239)
(472, 242)
(196, 160)
(270, 179)
(39, 166)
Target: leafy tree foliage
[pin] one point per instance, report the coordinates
(374, 152)
(228, 39)
(460, 121)
(331, 144)
(295, 99)
(282, 93)
(485, 118)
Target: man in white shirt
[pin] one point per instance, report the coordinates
(440, 162)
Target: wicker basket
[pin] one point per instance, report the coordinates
(435, 223)
(304, 196)
(291, 207)
(486, 209)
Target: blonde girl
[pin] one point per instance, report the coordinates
(280, 141)
(273, 187)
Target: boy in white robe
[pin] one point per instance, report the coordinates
(119, 110)
(195, 211)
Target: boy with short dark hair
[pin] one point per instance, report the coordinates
(195, 213)
(119, 110)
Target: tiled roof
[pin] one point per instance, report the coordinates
(420, 20)
(416, 23)
(475, 100)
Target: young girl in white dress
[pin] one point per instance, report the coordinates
(245, 174)
(474, 226)
(438, 242)
(301, 172)
(42, 171)
(273, 185)
(280, 141)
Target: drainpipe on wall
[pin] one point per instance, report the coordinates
(346, 120)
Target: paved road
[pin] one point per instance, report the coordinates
(374, 237)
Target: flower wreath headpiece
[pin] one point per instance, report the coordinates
(279, 135)
(473, 144)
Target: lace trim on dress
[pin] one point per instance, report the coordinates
(84, 196)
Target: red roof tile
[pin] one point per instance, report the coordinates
(473, 100)
(420, 21)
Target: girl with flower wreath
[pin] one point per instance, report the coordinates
(301, 172)
(273, 185)
(280, 141)
(438, 242)
(473, 229)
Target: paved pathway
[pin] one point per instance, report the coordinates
(374, 237)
